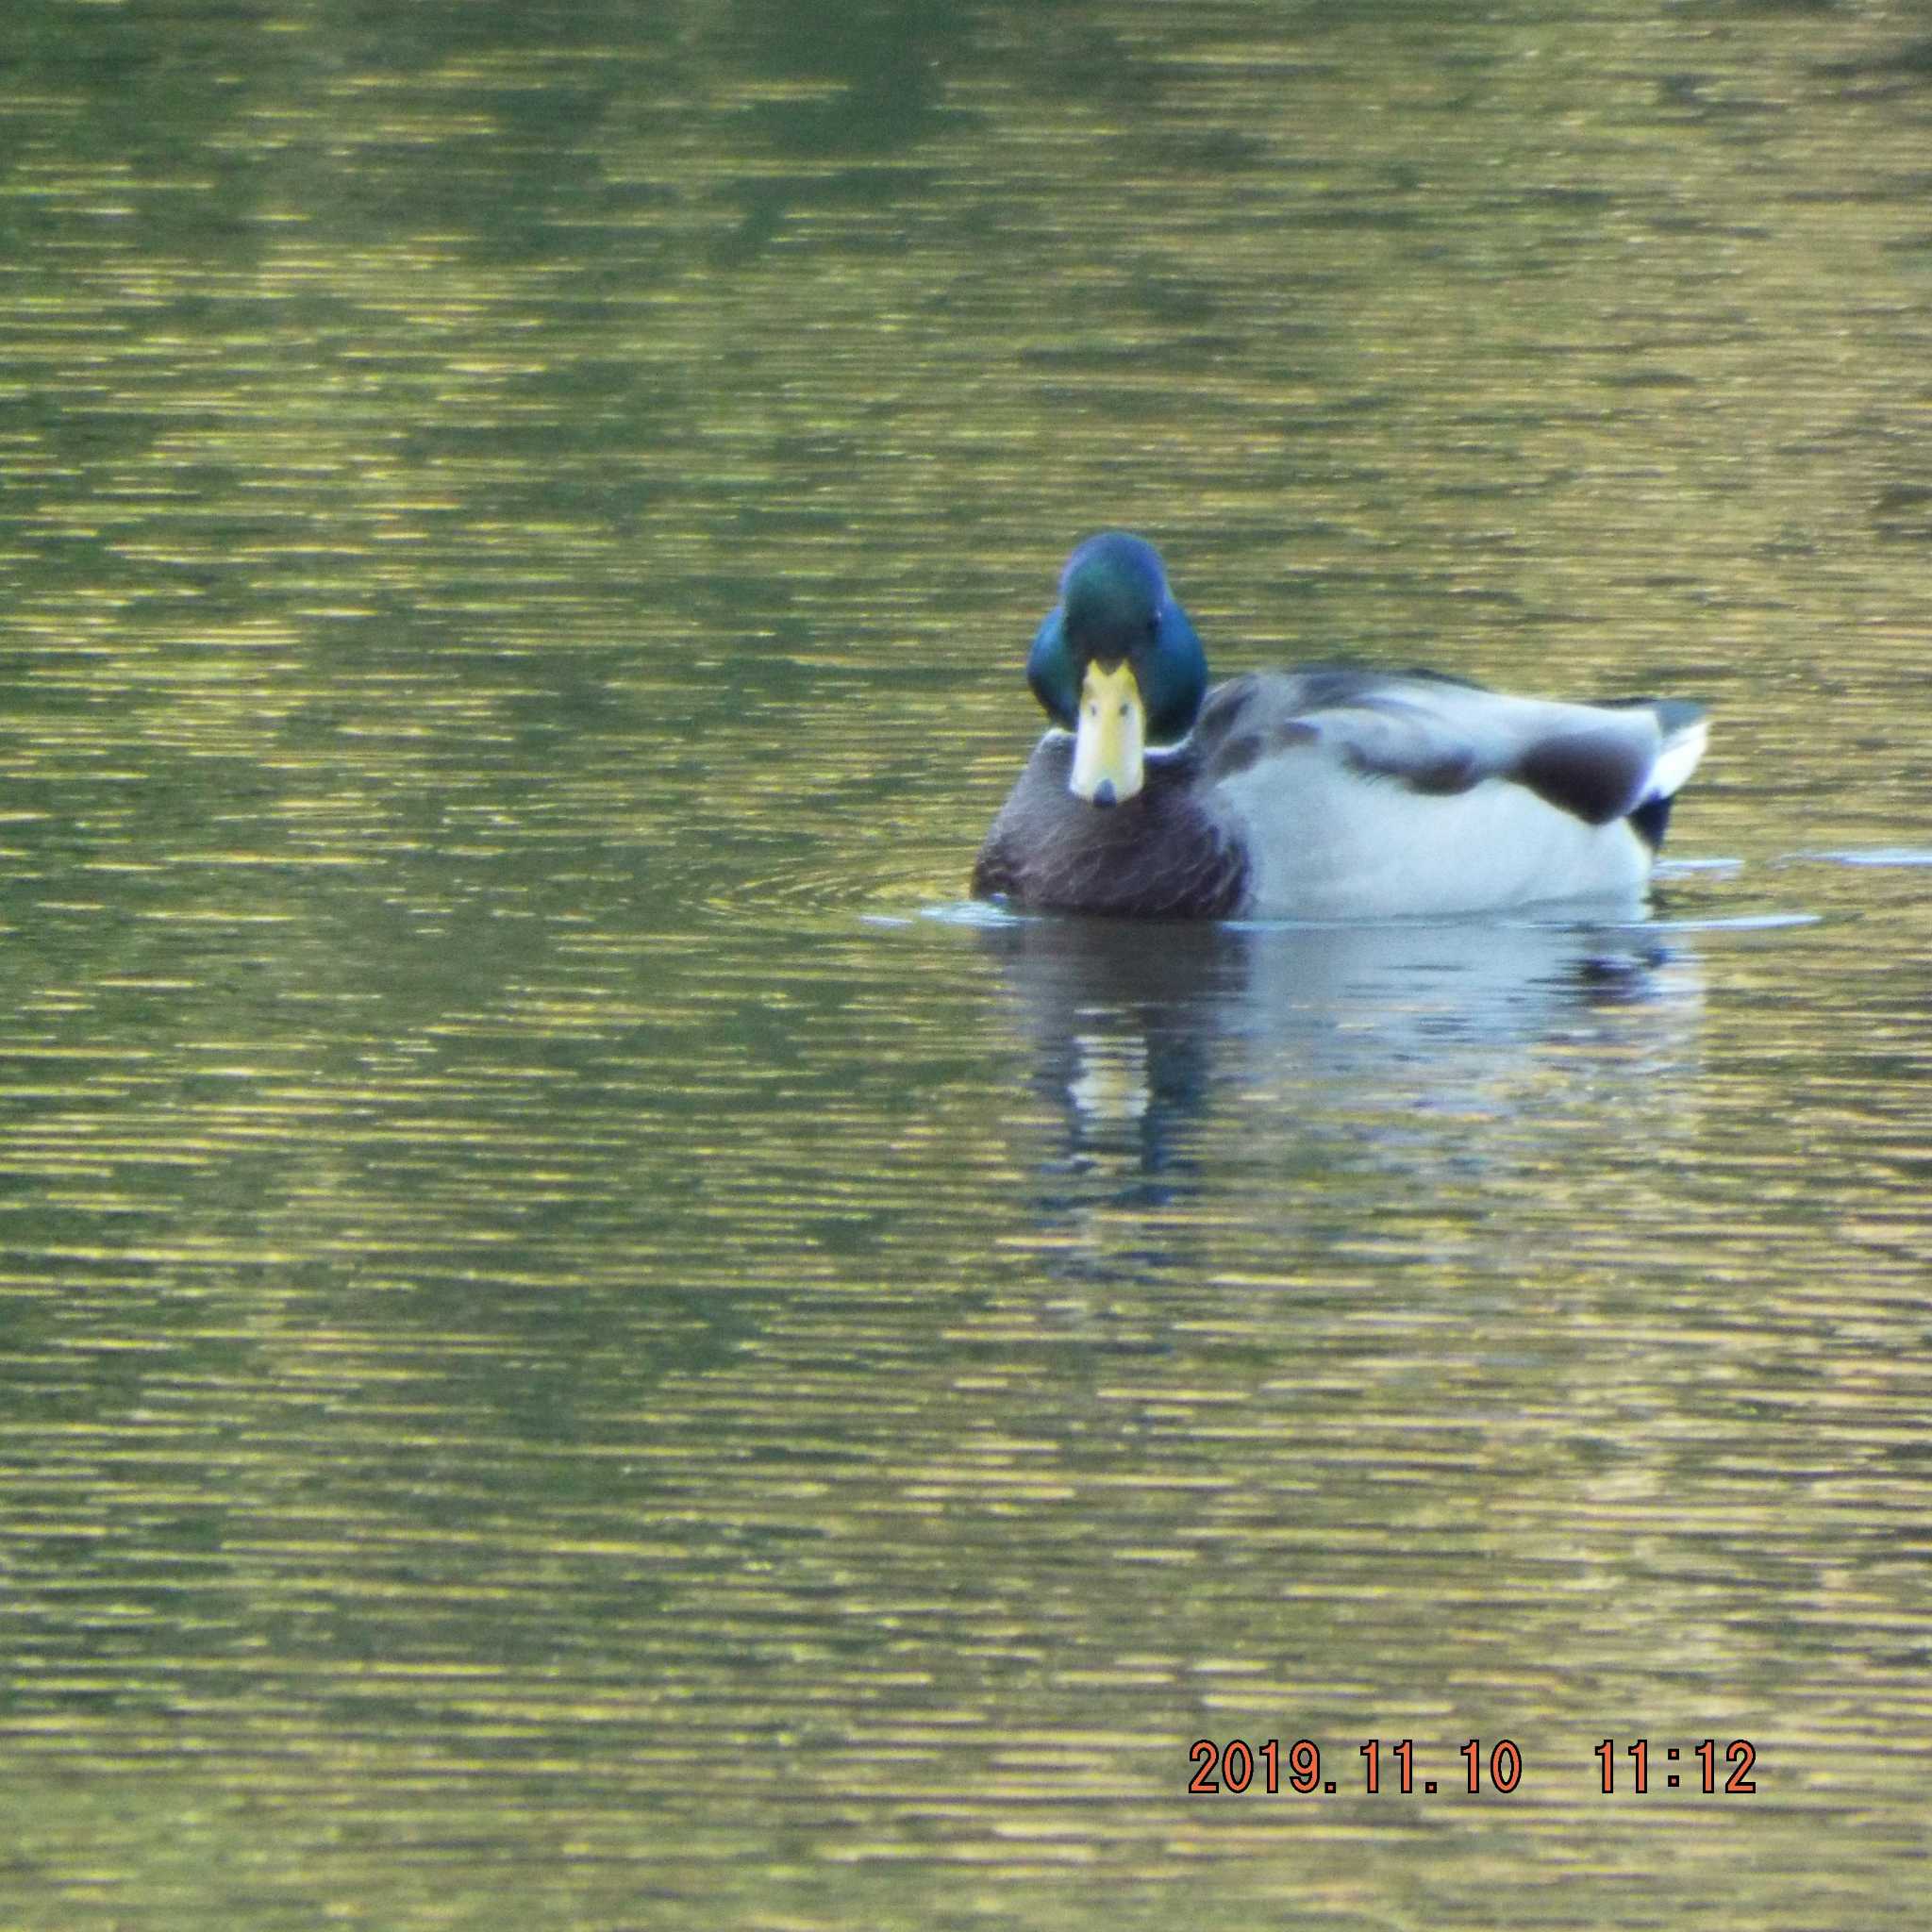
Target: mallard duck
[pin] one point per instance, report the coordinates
(1330, 792)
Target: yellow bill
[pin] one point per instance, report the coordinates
(1109, 743)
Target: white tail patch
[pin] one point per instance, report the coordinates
(1677, 760)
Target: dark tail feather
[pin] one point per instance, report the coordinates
(1649, 819)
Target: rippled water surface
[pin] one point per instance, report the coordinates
(581, 1342)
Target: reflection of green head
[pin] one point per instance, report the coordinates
(1114, 605)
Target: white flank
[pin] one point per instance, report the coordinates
(1328, 844)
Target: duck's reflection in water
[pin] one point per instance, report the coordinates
(1171, 1050)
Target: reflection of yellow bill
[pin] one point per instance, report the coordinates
(1108, 767)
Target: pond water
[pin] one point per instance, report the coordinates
(585, 1343)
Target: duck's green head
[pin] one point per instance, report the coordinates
(1118, 664)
